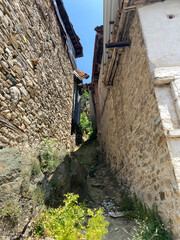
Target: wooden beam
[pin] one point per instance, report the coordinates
(118, 44)
(130, 8)
(143, 2)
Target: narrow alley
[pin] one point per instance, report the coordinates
(104, 191)
(89, 120)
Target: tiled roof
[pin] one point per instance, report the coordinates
(80, 74)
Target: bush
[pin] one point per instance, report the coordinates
(71, 222)
(85, 96)
(85, 124)
(49, 154)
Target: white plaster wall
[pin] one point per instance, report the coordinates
(161, 34)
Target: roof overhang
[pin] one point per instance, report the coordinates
(80, 74)
(68, 28)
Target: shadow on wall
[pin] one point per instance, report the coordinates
(27, 184)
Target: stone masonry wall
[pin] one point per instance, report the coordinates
(36, 100)
(131, 132)
(36, 75)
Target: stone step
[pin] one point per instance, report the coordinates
(174, 133)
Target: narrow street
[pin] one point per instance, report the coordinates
(89, 120)
(104, 191)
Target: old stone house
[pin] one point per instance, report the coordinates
(38, 51)
(137, 100)
(38, 98)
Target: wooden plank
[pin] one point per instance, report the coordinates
(108, 73)
(121, 24)
(123, 3)
(124, 29)
(129, 9)
(142, 2)
(114, 69)
(126, 2)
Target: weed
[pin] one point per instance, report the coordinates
(85, 96)
(35, 168)
(134, 208)
(149, 230)
(54, 183)
(149, 222)
(71, 221)
(48, 156)
(11, 210)
(85, 124)
(86, 127)
(25, 187)
(38, 195)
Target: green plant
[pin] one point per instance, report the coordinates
(85, 102)
(133, 207)
(71, 222)
(149, 230)
(38, 195)
(11, 210)
(85, 124)
(149, 222)
(35, 168)
(85, 96)
(48, 154)
(93, 134)
(25, 187)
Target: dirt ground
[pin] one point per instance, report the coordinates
(104, 191)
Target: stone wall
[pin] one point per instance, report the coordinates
(131, 132)
(36, 75)
(36, 100)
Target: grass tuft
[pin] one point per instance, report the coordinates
(149, 222)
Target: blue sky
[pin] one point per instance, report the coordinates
(85, 15)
